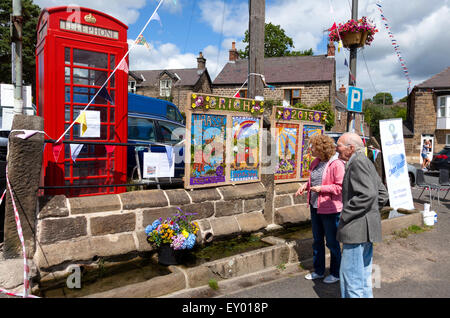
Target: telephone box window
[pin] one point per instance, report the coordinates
(90, 59)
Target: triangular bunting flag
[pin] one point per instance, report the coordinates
(75, 151)
(340, 45)
(123, 66)
(104, 93)
(27, 134)
(334, 27)
(57, 147)
(345, 62)
(237, 94)
(156, 18)
(109, 149)
(169, 153)
(81, 119)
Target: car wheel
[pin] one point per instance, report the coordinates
(412, 180)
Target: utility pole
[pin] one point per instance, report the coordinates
(353, 53)
(256, 47)
(16, 52)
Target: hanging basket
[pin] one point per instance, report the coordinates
(354, 39)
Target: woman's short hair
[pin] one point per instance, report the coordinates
(324, 145)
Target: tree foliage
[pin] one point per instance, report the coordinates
(324, 106)
(373, 113)
(384, 98)
(276, 43)
(30, 13)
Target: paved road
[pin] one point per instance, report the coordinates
(411, 267)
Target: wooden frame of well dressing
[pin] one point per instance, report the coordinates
(223, 141)
(293, 128)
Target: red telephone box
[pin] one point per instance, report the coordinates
(77, 50)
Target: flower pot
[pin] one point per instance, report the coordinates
(166, 255)
(354, 39)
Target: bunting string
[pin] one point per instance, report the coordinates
(120, 65)
(395, 46)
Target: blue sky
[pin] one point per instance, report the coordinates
(209, 26)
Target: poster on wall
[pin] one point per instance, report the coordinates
(246, 149)
(208, 153)
(287, 138)
(308, 132)
(394, 159)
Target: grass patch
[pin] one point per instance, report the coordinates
(413, 229)
(281, 266)
(213, 284)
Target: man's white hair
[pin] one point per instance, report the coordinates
(355, 140)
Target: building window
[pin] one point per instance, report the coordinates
(292, 96)
(165, 87)
(442, 107)
(447, 139)
(132, 87)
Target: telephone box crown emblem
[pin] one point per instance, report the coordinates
(90, 18)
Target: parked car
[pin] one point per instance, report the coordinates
(441, 160)
(412, 173)
(158, 122)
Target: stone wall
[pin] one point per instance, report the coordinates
(82, 229)
(422, 113)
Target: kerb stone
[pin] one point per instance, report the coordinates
(93, 204)
(55, 207)
(292, 214)
(83, 249)
(224, 226)
(251, 222)
(254, 205)
(178, 197)
(111, 224)
(243, 191)
(287, 188)
(54, 230)
(143, 199)
(202, 195)
(227, 208)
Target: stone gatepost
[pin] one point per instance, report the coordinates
(24, 169)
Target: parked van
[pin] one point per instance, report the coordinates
(155, 121)
(158, 108)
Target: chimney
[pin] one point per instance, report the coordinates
(201, 62)
(234, 55)
(342, 89)
(330, 49)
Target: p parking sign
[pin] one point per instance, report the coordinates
(354, 99)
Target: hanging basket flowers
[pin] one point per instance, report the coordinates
(353, 33)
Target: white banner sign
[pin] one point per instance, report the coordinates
(92, 123)
(157, 165)
(394, 158)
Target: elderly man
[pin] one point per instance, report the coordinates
(363, 194)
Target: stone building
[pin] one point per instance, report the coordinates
(306, 79)
(428, 115)
(171, 84)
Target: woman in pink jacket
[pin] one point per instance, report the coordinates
(324, 189)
